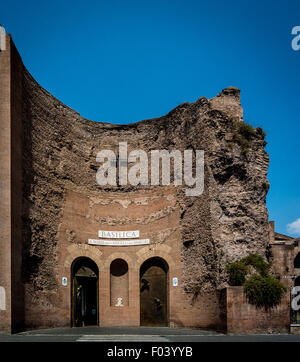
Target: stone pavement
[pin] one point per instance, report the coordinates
(139, 334)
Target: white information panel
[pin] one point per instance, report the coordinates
(127, 234)
(119, 242)
(2, 299)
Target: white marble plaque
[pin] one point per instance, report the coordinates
(127, 234)
(2, 299)
(119, 242)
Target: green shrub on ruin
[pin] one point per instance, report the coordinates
(246, 131)
(243, 136)
(261, 289)
(257, 261)
(264, 291)
(237, 272)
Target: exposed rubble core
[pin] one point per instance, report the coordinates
(62, 205)
(227, 222)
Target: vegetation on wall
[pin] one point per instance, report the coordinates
(237, 272)
(257, 261)
(264, 291)
(260, 288)
(246, 131)
(244, 134)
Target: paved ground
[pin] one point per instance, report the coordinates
(138, 334)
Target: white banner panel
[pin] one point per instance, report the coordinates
(127, 234)
(2, 299)
(119, 242)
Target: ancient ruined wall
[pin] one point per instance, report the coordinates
(5, 190)
(245, 318)
(17, 288)
(227, 221)
(11, 309)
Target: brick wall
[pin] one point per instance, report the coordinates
(5, 185)
(157, 217)
(245, 318)
(53, 205)
(17, 287)
(11, 76)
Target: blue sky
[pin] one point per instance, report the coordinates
(124, 61)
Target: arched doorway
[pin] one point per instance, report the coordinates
(154, 292)
(84, 297)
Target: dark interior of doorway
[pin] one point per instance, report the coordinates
(84, 293)
(154, 293)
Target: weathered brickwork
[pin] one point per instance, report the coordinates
(58, 206)
(5, 187)
(242, 317)
(245, 318)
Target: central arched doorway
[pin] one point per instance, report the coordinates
(154, 292)
(84, 295)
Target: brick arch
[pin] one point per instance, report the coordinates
(162, 286)
(83, 251)
(155, 252)
(119, 255)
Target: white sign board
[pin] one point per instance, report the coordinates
(175, 282)
(119, 242)
(130, 234)
(2, 299)
(64, 281)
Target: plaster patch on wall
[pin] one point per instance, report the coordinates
(143, 220)
(125, 203)
(97, 201)
(71, 236)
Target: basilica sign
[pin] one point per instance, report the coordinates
(112, 238)
(119, 242)
(118, 234)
